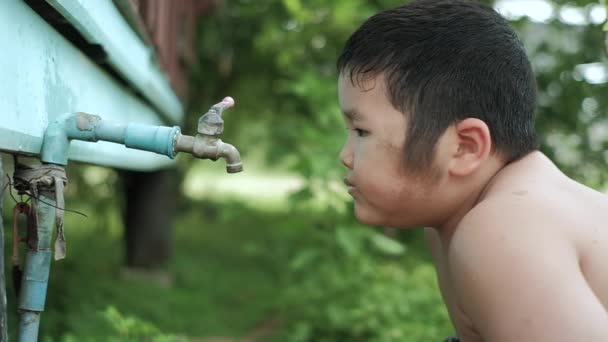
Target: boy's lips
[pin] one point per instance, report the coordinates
(350, 185)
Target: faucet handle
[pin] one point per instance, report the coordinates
(220, 107)
(211, 123)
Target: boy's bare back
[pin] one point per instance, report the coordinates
(528, 262)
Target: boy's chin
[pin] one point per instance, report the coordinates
(365, 216)
(371, 218)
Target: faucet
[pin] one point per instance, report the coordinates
(207, 144)
(163, 140)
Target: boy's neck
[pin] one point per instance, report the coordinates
(474, 194)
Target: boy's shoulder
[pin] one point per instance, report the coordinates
(500, 223)
(530, 211)
(515, 259)
(533, 199)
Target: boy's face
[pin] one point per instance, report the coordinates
(384, 192)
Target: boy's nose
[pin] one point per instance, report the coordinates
(346, 156)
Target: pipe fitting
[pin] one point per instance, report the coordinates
(208, 147)
(163, 140)
(206, 144)
(88, 127)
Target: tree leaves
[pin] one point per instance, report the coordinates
(277, 58)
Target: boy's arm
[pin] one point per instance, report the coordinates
(523, 282)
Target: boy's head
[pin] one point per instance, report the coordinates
(444, 66)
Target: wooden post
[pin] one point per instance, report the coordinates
(150, 202)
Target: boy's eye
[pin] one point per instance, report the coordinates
(361, 132)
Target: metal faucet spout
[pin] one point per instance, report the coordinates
(208, 147)
(232, 157)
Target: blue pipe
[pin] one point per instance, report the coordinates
(57, 137)
(36, 273)
(87, 127)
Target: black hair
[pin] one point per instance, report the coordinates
(444, 61)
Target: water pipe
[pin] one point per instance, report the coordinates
(35, 277)
(163, 140)
(46, 184)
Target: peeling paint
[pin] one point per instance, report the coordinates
(86, 122)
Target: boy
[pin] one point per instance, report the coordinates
(439, 98)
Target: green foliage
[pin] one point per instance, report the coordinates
(130, 328)
(236, 270)
(572, 113)
(277, 59)
(117, 327)
(356, 286)
(365, 301)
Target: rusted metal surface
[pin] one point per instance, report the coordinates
(206, 144)
(170, 26)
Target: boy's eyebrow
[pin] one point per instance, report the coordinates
(352, 114)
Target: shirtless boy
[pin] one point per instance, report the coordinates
(439, 98)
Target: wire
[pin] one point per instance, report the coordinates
(56, 207)
(9, 184)
(35, 197)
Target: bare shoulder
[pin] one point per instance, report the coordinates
(516, 272)
(503, 222)
(537, 206)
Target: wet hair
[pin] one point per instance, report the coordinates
(444, 61)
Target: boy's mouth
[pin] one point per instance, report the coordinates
(348, 183)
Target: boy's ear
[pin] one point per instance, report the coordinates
(473, 145)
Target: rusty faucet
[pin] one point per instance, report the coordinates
(206, 144)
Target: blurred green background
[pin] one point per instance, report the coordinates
(274, 254)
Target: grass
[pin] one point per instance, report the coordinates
(231, 275)
(226, 274)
